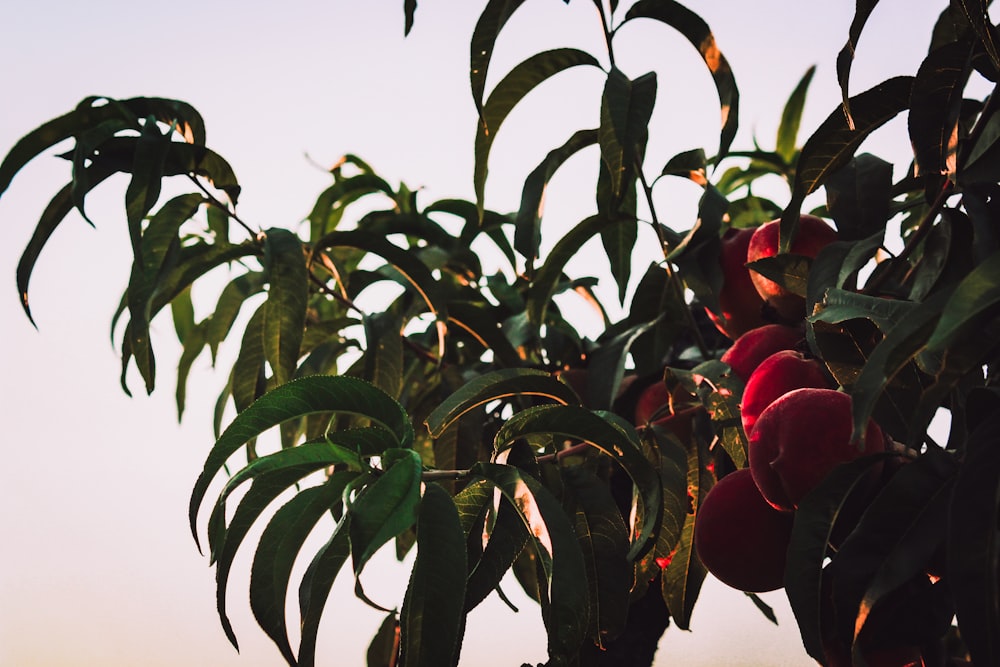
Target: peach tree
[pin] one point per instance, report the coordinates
(410, 374)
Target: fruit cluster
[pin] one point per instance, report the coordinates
(797, 423)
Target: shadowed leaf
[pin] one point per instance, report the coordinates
(287, 298)
(935, 107)
(845, 58)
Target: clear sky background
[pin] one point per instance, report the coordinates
(97, 566)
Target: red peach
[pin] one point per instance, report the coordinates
(756, 345)
(812, 236)
(739, 537)
(799, 439)
(777, 375)
(741, 305)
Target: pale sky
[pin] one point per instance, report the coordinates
(98, 567)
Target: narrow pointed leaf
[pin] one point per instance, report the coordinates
(507, 539)
(247, 382)
(287, 298)
(977, 292)
(148, 163)
(578, 423)
(484, 36)
(681, 581)
(385, 508)
(557, 549)
(227, 308)
(527, 234)
(433, 615)
(833, 144)
(694, 28)
(280, 543)
(845, 58)
(791, 117)
(512, 89)
(974, 541)
(493, 386)
(977, 13)
(296, 399)
(935, 106)
(315, 588)
(383, 650)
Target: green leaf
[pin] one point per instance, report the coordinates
(935, 105)
(697, 254)
(614, 438)
(384, 353)
(543, 287)
(415, 272)
(899, 347)
(507, 537)
(333, 201)
(512, 89)
(481, 322)
(527, 226)
(841, 305)
(287, 299)
(248, 379)
(681, 581)
(47, 135)
(811, 530)
(484, 36)
(227, 308)
(557, 551)
(603, 538)
(409, 8)
(845, 58)
(626, 107)
(791, 117)
(974, 543)
(433, 616)
(160, 235)
(315, 586)
(895, 538)
(858, 196)
(787, 270)
(619, 241)
(280, 543)
(977, 13)
(194, 343)
(700, 35)
(147, 171)
(384, 508)
(184, 118)
(496, 385)
(384, 647)
(977, 292)
(55, 212)
(833, 144)
(293, 400)
(689, 164)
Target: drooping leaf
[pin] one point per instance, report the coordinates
(144, 188)
(55, 212)
(280, 543)
(496, 385)
(384, 508)
(248, 380)
(845, 58)
(811, 531)
(974, 542)
(609, 436)
(507, 538)
(694, 28)
(626, 107)
(480, 321)
(894, 539)
(508, 92)
(85, 116)
(296, 399)
(384, 353)
(935, 106)
(332, 202)
(527, 234)
(858, 196)
(384, 647)
(977, 13)
(603, 538)
(484, 36)
(409, 9)
(315, 586)
(977, 292)
(557, 551)
(194, 342)
(791, 117)
(433, 615)
(681, 581)
(287, 298)
(227, 308)
(833, 144)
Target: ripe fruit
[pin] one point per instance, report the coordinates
(739, 301)
(799, 439)
(777, 375)
(813, 234)
(653, 405)
(739, 537)
(758, 344)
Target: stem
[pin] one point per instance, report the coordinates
(607, 32)
(214, 200)
(671, 275)
(434, 475)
